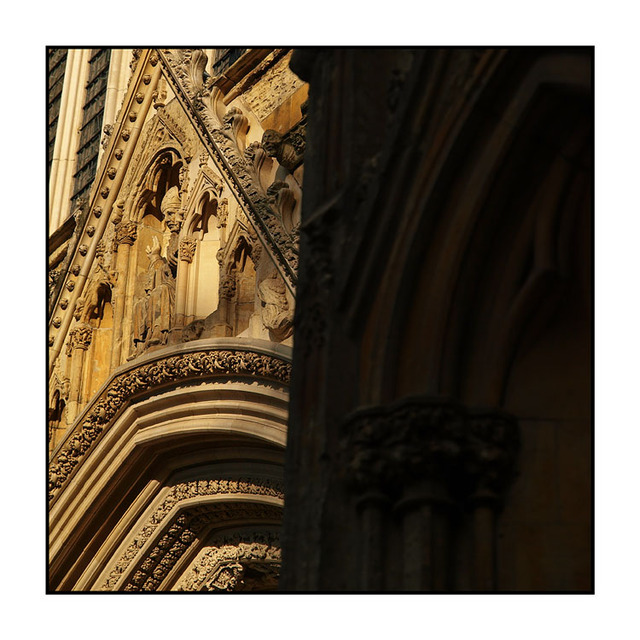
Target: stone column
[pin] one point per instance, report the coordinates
(79, 341)
(186, 252)
(374, 508)
(227, 291)
(493, 441)
(126, 234)
(66, 143)
(408, 451)
(369, 475)
(423, 510)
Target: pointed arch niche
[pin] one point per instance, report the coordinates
(163, 174)
(198, 270)
(157, 213)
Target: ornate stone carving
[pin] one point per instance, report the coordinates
(105, 192)
(282, 83)
(227, 287)
(283, 199)
(126, 232)
(174, 127)
(100, 249)
(135, 56)
(187, 249)
(287, 148)
(231, 485)
(80, 337)
(157, 564)
(171, 208)
(226, 144)
(222, 212)
(220, 567)
(217, 186)
(185, 367)
(416, 437)
(126, 134)
(277, 316)
(57, 322)
(471, 452)
(493, 442)
(111, 172)
(107, 130)
(53, 278)
(97, 211)
(75, 270)
(97, 292)
(82, 249)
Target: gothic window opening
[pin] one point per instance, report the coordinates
(224, 58)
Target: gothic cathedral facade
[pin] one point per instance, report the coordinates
(404, 353)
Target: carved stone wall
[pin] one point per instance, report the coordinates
(172, 370)
(425, 314)
(277, 84)
(135, 275)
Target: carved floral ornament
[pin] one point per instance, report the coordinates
(220, 567)
(183, 491)
(187, 249)
(158, 562)
(183, 367)
(80, 337)
(126, 232)
(387, 447)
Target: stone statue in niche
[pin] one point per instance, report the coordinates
(153, 315)
(277, 314)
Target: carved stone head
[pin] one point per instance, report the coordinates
(271, 141)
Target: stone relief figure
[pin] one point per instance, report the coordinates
(277, 314)
(98, 292)
(288, 149)
(153, 314)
